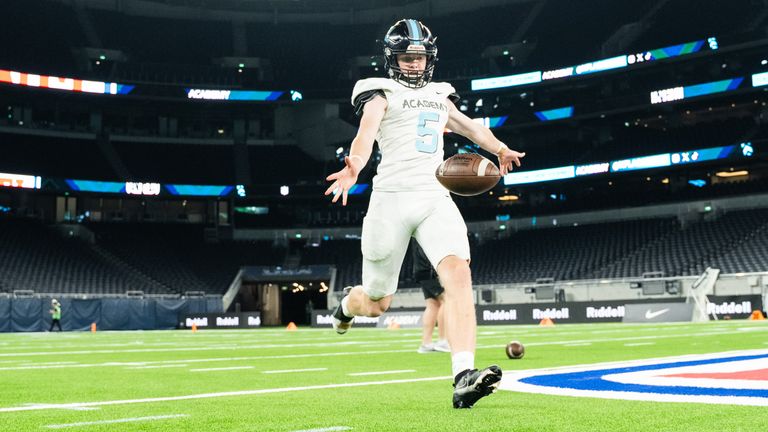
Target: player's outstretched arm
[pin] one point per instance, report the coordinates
(359, 151)
(483, 137)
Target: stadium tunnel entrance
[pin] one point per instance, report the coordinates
(283, 295)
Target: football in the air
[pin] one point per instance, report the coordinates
(515, 350)
(468, 174)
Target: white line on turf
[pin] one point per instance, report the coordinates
(294, 370)
(381, 372)
(221, 369)
(157, 366)
(328, 429)
(360, 344)
(360, 353)
(54, 406)
(220, 394)
(639, 344)
(123, 420)
(577, 344)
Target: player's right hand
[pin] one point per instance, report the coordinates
(343, 180)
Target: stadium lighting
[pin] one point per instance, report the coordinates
(727, 174)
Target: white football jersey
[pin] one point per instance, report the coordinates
(410, 136)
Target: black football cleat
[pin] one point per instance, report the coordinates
(341, 322)
(475, 384)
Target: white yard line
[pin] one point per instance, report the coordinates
(221, 369)
(294, 370)
(218, 395)
(357, 353)
(157, 366)
(244, 346)
(382, 372)
(124, 420)
(578, 344)
(639, 344)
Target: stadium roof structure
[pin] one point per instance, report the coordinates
(282, 11)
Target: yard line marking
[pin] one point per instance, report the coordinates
(54, 406)
(157, 366)
(221, 369)
(294, 370)
(639, 344)
(578, 344)
(357, 353)
(381, 372)
(123, 420)
(220, 394)
(328, 429)
(360, 344)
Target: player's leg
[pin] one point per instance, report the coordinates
(428, 319)
(461, 326)
(383, 245)
(443, 237)
(470, 384)
(361, 304)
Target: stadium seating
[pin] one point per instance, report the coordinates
(34, 257)
(176, 256)
(55, 157)
(200, 164)
(173, 258)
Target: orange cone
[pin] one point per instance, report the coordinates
(546, 322)
(93, 327)
(756, 316)
(393, 325)
(194, 328)
(291, 326)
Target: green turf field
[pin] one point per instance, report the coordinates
(274, 380)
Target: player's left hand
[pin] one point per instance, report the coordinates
(508, 159)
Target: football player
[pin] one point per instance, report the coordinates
(406, 114)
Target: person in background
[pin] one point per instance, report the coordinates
(55, 315)
(434, 299)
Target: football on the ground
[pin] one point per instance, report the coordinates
(468, 174)
(515, 350)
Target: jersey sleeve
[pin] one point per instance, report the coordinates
(364, 97)
(367, 89)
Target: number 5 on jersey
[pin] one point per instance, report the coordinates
(423, 130)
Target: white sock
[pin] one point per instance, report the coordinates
(344, 308)
(462, 361)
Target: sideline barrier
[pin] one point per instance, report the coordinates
(726, 307)
(32, 314)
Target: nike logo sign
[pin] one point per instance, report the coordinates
(652, 315)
